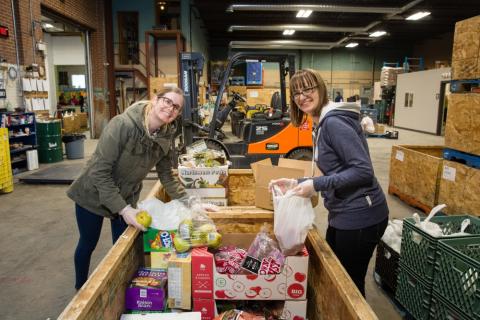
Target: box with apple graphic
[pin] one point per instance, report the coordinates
(207, 283)
(288, 310)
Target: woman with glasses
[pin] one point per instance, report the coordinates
(110, 184)
(356, 204)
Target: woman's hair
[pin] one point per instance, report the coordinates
(302, 79)
(149, 106)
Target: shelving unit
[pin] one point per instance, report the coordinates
(21, 135)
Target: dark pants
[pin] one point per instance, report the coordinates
(90, 226)
(354, 248)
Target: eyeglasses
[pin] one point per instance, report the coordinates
(169, 103)
(305, 92)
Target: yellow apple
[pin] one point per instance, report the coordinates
(207, 228)
(144, 218)
(180, 244)
(214, 240)
(198, 239)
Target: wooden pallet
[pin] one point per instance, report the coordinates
(411, 201)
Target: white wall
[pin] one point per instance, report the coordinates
(50, 73)
(425, 87)
(68, 50)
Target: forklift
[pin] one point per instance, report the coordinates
(267, 134)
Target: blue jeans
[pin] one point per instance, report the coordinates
(90, 226)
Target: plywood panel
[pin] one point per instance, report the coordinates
(415, 170)
(462, 130)
(158, 84)
(460, 189)
(466, 49)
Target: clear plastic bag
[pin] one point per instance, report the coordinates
(165, 216)
(197, 230)
(293, 218)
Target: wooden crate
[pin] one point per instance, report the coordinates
(463, 122)
(466, 49)
(415, 174)
(460, 189)
(331, 293)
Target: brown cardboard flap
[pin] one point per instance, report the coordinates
(306, 166)
(254, 166)
(266, 173)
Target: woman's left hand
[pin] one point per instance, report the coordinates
(305, 189)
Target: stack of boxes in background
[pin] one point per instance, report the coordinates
(388, 76)
(6, 178)
(75, 122)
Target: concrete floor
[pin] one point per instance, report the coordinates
(39, 236)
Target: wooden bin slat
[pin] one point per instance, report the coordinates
(331, 292)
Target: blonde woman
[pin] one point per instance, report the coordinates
(357, 209)
(110, 184)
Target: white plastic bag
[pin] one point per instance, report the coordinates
(367, 124)
(293, 217)
(165, 216)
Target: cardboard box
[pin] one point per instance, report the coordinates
(207, 192)
(163, 316)
(180, 281)
(207, 283)
(158, 240)
(159, 260)
(147, 291)
(220, 202)
(291, 310)
(194, 178)
(264, 171)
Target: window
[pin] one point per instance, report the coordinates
(78, 81)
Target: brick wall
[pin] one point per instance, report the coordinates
(7, 45)
(89, 14)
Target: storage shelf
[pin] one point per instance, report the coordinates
(24, 136)
(21, 149)
(20, 125)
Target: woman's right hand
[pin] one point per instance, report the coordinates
(129, 214)
(283, 183)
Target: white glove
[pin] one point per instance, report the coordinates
(367, 124)
(284, 184)
(305, 189)
(129, 214)
(205, 207)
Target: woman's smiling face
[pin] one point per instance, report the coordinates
(307, 99)
(168, 107)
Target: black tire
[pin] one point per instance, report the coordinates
(215, 145)
(301, 154)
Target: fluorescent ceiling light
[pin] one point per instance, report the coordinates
(419, 15)
(288, 32)
(351, 45)
(377, 34)
(48, 25)
(304, 13)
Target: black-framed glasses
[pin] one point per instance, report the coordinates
(305, 92)
(169, 103)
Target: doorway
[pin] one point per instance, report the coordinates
(67, 71)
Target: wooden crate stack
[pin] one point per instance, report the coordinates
(460, 184)
(6, 178)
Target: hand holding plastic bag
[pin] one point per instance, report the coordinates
(283, 183)
(293, 218)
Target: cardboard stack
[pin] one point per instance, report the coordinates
(388, 76)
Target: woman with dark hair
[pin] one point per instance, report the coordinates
(110, 184)
(357, 208)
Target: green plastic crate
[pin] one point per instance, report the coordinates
(419, 248)
(441, 309)
(457, 276)
(413, 293)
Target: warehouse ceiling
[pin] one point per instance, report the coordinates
(332, 23)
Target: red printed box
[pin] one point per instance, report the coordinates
(207, 283)
(290, 310)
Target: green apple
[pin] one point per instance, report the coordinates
(214, 240)
(181, 245)
(207, 228)
(198, 239)
(144, 218)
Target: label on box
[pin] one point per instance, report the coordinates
(213, 177)
(251, 264)
(158, 240)
(202, 274)
(399, 155)
(449, 173)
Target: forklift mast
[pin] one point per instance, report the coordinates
(191, 69)
(257, 57)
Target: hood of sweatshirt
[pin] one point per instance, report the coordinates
(347, 109)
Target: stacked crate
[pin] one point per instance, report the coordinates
(460, 180)
(6, 178)
(419, 263)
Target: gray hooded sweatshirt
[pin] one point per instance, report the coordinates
(351, 192)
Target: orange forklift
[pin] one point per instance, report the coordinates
(266, 134)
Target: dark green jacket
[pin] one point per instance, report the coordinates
(124, 155)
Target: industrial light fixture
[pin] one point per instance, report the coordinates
(48, 25)
(352, 45)
(288, 32)
(419, 15)
(304, 13)
(377, 34)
